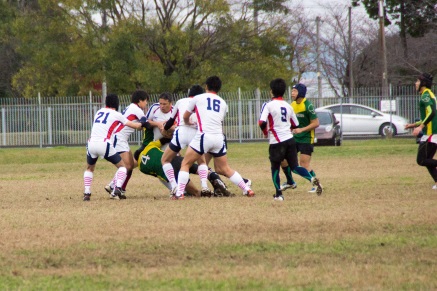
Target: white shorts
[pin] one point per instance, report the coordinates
(122, 146)
(209, 143)
(102, 149)
(182, 137)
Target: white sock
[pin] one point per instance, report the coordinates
(183, 178)
(121, 176)
(202, 170)
(238, 180)
(87, 180)
(169, 173)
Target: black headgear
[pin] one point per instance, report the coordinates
(195, 90)
(112, 101)
(301, 90)
(425, 80)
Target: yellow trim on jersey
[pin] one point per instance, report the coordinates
(299, 107)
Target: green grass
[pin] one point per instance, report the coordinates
(373, 227)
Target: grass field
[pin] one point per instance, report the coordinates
(374, 227)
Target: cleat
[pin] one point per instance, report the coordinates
(122, 194)
(248, 183)
(278, 198)
(109, 188)
(115, 194)
(317, 185)
(175, 197)
(434, 187)
(206, 192)
(86, 196)
(313, 190)
(173, 192)
(250, 193)
(220, 188)
(286, 186)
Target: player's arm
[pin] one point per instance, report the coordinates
(314, 123)
(262, 123)
(138, 125)
(186, 117)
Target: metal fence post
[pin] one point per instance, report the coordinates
(49, 125)
(249, 108)
(40, 119)
(240, 116)
(4, 126)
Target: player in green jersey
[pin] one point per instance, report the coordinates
(149, 163)
(303, 135)
(426, 127)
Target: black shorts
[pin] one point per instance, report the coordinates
(304, 148)
(285, 150)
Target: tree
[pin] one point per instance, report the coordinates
(413, 17)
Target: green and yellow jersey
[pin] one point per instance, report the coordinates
(149, 161)
(427, 99)
(305, 112)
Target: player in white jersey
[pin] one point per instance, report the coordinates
(210, 110)
(133, 112)
(182, 137)
(106, 121)
(276, 121)
(158, 114)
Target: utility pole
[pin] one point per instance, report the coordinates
(319, 75)
(104, 24)
(383, 49)
(351, 77)
(385, 93)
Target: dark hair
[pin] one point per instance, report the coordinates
(301, 90)
(139, 95)
(195, 90)
(425, 80)
(166, 96)
(278, 87)
(213, 83)
(112, 101)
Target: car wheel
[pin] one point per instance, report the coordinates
(385, 128)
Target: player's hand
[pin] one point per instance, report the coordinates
(145, 123)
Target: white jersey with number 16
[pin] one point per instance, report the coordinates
(210, 110)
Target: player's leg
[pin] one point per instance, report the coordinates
(277, 153)
(303, 172)
(290, 183)
(306, 151)
(115, 158)
(425, 156)
(169, 154)
(222, 166)
(183, 177)
(94, 150)
(128, 160)
(203, 175)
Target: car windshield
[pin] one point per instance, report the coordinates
(324, 118)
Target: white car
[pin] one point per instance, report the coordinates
(360, 119)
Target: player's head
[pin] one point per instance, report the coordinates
(140, 97)
(112, 101)
(213, 84)
(278, 87)
(165, 102)
(299, 91)
(195, 90)
(424, 80)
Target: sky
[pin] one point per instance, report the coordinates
(314, 7)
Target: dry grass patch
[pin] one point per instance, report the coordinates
(373, 228)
